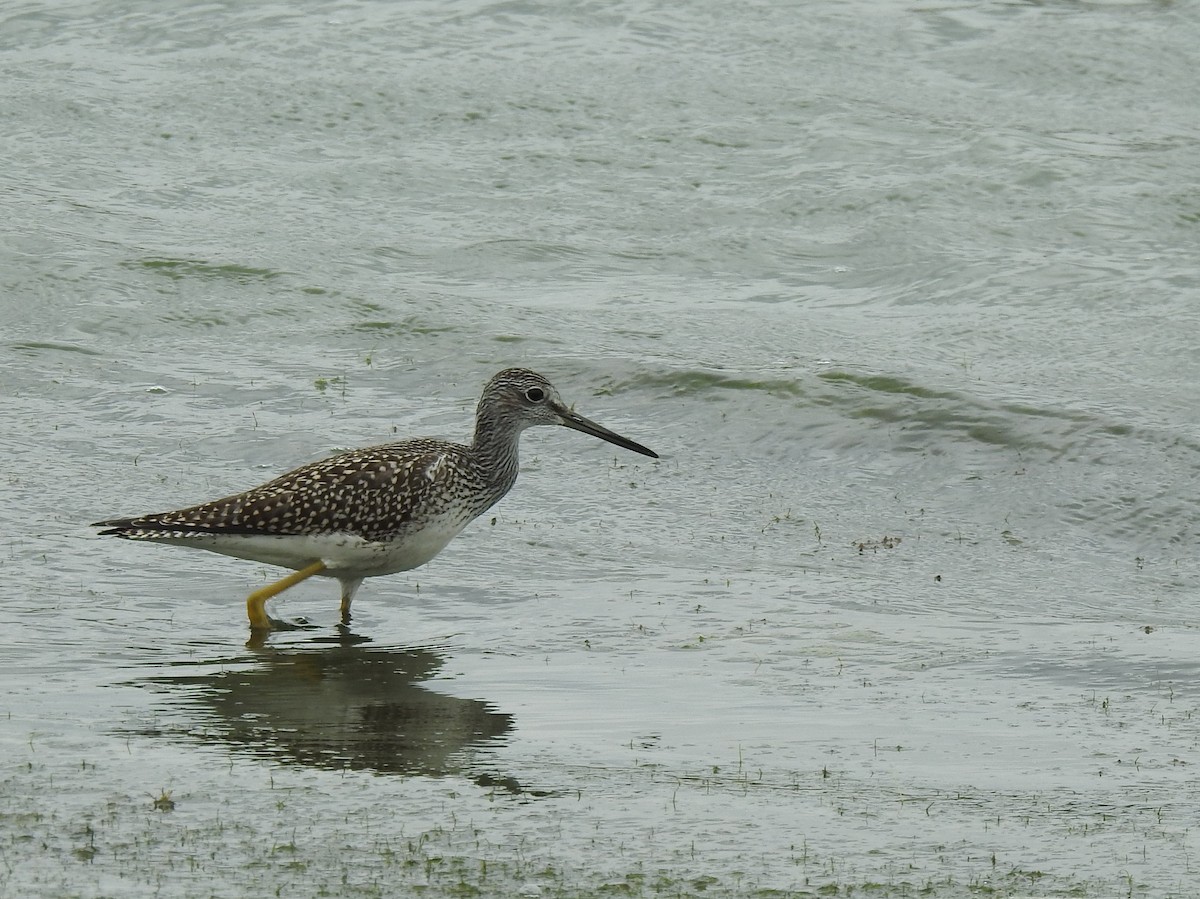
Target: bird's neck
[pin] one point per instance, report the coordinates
(497, 449)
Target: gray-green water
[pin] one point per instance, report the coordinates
(906, 295)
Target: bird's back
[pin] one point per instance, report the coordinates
(378, 493)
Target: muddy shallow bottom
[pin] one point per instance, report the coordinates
(758, 742)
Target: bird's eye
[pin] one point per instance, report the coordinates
(535, 394)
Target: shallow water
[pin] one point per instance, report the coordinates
(904, 295)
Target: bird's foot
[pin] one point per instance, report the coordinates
(295, 624)
(259, 635)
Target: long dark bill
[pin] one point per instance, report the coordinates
(587, 426)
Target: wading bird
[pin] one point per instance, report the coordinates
(372, 511)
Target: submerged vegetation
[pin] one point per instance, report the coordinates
(374, 837)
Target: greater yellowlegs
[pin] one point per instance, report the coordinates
(371, 511)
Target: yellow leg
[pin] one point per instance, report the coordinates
(256, 602)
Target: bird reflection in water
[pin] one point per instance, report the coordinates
(341, 707)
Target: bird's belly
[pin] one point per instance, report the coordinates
(345, 555)
(409, 551)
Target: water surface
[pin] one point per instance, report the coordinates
(905, 297)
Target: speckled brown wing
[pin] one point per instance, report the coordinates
(375, 492)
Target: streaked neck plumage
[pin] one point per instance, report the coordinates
(496, 445)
